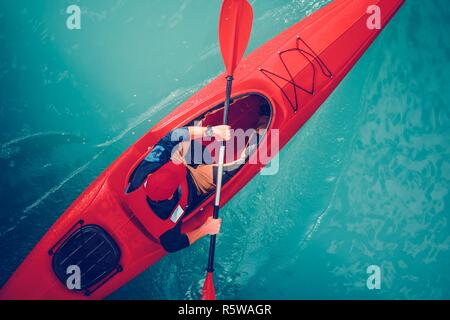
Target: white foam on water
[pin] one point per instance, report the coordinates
(31, 136)
(40, 200)
(174, 97)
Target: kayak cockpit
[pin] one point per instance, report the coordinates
(249, 115)
(249, 118)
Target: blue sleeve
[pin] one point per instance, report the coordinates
(174, 137)
(157, 157)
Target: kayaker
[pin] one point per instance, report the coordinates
(162, 173)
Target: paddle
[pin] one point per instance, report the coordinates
(235, 26)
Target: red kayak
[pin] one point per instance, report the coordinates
(107, 234)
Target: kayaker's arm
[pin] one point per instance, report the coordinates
(162, 152)
(231, 166)
(173, 240)
(220, 133)
(157, 157)
(210, 227)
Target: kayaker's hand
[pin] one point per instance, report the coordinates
(222, 133)
(212, 226)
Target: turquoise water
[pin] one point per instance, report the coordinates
(365, 182)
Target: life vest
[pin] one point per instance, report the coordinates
(138, 203)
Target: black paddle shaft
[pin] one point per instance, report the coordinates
(212, 245)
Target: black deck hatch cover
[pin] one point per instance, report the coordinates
(93, 250)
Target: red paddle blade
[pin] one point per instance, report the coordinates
(235, 27)
(208, 292)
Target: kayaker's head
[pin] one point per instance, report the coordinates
(163, 183)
